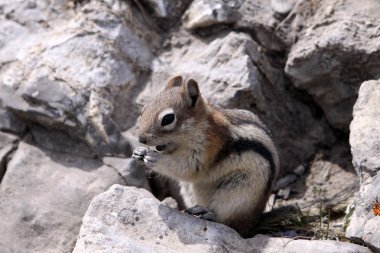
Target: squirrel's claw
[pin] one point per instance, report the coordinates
(139, 153)
(151, 158)
(201, 212)
(144, 154)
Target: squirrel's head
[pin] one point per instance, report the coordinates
(172, 115)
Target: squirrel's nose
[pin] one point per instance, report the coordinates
(142, 139)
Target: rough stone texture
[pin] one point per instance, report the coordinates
(127, 219)
(285, 181)
(365, 130)
(133, 173)
(330, 183)
(233, 71)
(255, 17)
(203, 13)
(327, 182)
(94, 61)
(71, 71)
(8, 143)
(259, 20)
(364, 225)
(337, 48)
(167, 9)
(365, 148)
(59, 141)
(299, 170)
(43, 197)
(9, 122)
(282, 6)
(20, 25)
(21, 21)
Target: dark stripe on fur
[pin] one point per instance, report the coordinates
(242, 117)
(243, 145)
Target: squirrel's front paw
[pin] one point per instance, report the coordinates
(151, 158)
(139, 153)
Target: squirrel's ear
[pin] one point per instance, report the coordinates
(174, 82)
(192, 92)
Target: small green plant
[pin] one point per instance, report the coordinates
(347, 218)
(320, 232)
(283, 219)
(292, 218)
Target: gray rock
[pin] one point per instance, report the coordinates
(203, 13)
(284, 193)
(132, 172)
(285, 181)
(299, 170)
(59, 141)
(282, 6)
(252, 16)
(8, 144)
(365, 146)
(364, 226)
(70, 76)
(94, 61)
(170, 202)
(269, 245)
(365, 130)
(330, 184)
(270, 203)
(9, 122)
(337, 48)
(289, 234)
(127, 219)
(168, 9)
(44, 195)
(35, 15)
(233, 71)
(327, 183)
(258, 19)
(21, 23)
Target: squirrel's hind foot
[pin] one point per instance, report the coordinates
(201, 212)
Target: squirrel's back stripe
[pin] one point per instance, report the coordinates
(242, 117)
(242, 145)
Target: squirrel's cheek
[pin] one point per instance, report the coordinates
(170, 148)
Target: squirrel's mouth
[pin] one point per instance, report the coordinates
(161, 148)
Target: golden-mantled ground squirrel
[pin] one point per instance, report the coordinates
(224, 160)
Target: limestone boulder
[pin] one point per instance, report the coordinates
(80, 75)
(128, 219)
(43, 197)
(255, 17)
(365, 130)
(9, 122)
(202, 13)
(167, 9)
(365, 148)
(334, 47)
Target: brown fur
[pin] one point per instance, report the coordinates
(217, 128)
(225, 160)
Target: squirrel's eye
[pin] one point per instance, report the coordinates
(167, 119)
